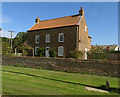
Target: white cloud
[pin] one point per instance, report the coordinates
(5, 19)
(7, 34)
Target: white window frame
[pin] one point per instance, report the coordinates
(85, 28)
(59, 37)
(47, 36)
(36, 50)
(37, 36)
(59, 53)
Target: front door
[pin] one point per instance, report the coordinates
(85, 53)
(47, 52)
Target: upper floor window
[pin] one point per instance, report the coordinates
(37, 39)
(47, 38)
(85, 28)
(61, 37)
(60, 50)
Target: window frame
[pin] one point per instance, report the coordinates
(37, 36)
(47, 37)
(59, 37)
(59, 53)
(85, 29)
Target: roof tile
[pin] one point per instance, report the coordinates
(58, 22)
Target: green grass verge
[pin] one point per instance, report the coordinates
(30, 81)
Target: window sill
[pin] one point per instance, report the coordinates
(60, 41)
(60, 55)
(47, 42)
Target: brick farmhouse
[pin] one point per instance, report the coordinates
(65, 33)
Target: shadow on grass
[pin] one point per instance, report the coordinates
(116, 90)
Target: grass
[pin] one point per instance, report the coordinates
(30, 81)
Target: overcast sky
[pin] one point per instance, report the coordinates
(101, 18)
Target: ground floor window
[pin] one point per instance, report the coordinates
(60, 50)
(36, 50)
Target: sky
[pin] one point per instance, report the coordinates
(101, 17)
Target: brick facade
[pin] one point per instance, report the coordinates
(68, 44)
(74, 36)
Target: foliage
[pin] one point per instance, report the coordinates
(53, 52)
(115, 52)
(5, 39)
(76, 54)
(6, 49)
(19, 39)
(25, 50)
(24, 47)
(41, 52)
(97, 52)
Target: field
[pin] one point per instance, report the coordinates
(30, 81)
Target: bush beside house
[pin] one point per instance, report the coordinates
(53, 52)
(76, 54)
(41, 52)
(98, 53)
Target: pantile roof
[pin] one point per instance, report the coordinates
(58, 22)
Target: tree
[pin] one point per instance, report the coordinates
(5, 39)
(19, 39)
(6, 49)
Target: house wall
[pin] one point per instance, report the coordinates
(84, 41)
(69, 38)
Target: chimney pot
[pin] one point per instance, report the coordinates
(81, 8)
(37, 20)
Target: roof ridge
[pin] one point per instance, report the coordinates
(60, 18)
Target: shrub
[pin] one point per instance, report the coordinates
(76, 54)
(53, 52)
(41, 52)
(97, 52)
(6, 49)
(25, 52)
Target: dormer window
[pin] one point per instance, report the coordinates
(61, 37)
(37, 39)
(85, 28)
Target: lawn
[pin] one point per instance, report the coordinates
(30, 81)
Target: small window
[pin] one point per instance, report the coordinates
(61, 37)
(85, 28)
(37, 39)
(36, 50)
(48, 38)
(60, 50)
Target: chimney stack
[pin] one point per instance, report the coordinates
(81, 11)
(37, 20)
